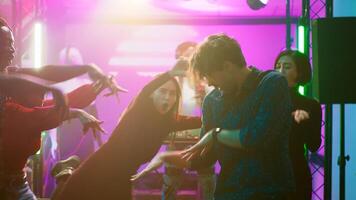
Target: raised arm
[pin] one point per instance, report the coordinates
(16, 86)
(163, 78)
(59, 73)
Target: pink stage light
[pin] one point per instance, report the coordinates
(151, 45)
(144, 46)
(141, 61)
(204, 6)
(38, 46)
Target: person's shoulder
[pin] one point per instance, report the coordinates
(273, 78)
(272, 75)
(213, 94)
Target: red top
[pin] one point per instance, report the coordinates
(22, 126)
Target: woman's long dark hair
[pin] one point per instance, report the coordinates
(175, 108)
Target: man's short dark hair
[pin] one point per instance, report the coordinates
(211, 54)
(302, 63)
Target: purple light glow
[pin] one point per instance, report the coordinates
(149, 46)
(102, 44)
(114, 9)
(136, 53)
(203, 6)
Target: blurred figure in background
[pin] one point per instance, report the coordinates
(70, 140)
(67, 139)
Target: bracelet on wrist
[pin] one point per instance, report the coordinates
(215, 133)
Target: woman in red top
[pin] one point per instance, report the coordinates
(136, 139)
(21, 127)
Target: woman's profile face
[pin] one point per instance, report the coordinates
(165, 97)
(288, 68)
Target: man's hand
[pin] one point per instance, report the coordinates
(300, 115)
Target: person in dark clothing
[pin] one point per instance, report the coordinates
(306, 127)
(246, 119)
(147, 121)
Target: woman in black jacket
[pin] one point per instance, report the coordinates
(306, 127)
